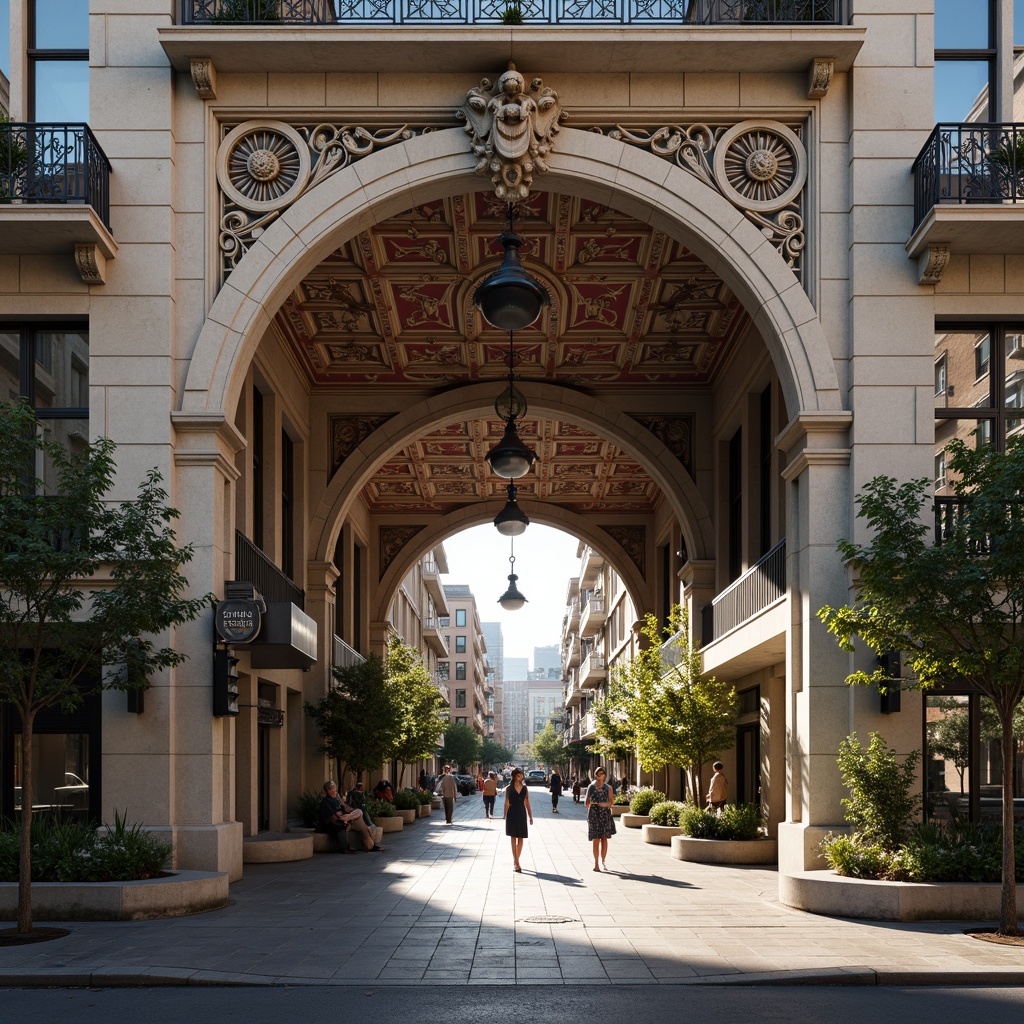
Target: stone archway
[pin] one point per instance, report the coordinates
(439, 164)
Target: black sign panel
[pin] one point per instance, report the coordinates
(237, 622)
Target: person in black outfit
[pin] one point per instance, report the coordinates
(555, 785)
(517, 809)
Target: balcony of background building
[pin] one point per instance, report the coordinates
(968, 193)
(434, 638)
(593, 670)
(441, 682)
(55, 195)
(591, 564)
(571, 621)
(556, 35)
(570, 654)
(744, 627)
(588, 726)
(432, 582)
(592, 613)
(343, 655)
(573, 690)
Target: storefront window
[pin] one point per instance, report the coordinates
(60, 774)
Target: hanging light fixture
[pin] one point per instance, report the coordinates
(511, 521)
(510, 458)
(512, 600)
(510, 298)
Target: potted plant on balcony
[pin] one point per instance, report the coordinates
(1007, 162)
(512, 14)
(13, 156)
(246, 11)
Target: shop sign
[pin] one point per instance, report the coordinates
(237, 622)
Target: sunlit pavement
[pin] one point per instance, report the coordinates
(443, 904)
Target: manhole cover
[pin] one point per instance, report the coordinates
(548, 919)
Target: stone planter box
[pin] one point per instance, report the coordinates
(176, 894)
(824, 892)
(619, 809)
(409, 815)
(660, 835)
(395, 824)
(424, 811)
(725, 851)
(435, 803)
(322, 841)
(277, 847)
(635, 820)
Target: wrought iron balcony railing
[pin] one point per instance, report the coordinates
(53, 163)
(494, 12)
(761, 585)
(252, 565)
(969, 163)
(951, 516)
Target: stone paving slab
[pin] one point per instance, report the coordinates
(444, 904)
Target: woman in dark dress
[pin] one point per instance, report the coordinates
(517, 810)
(600, 823)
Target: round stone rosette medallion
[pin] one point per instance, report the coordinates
(760, 165)
(263, 165)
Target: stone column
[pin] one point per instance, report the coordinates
(698, 579)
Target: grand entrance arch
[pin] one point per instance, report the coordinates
(439, 164)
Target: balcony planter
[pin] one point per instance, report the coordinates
(660, 835)
(635, 820)
(725, 851)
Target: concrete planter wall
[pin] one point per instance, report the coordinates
(424, 811)
(725, 851)
(824, 892)
(435, 803)
(395, 824)
(619, 809)
(660, 835)
(409, 815)
(635, 820)
(175, 895)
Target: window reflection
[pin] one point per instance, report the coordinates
(962, 92)
(60, 774)
(947, 781)
(990, 764)
(962, 24)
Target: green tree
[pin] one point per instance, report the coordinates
(954, 609)
(462, 746)
(548, 748)
(422, 710)
(616, 737)
(680, 715)
(86, 585)
(358, 718)
(524, 752)
(578, 754)
(492, 753)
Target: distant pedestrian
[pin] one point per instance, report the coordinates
(600, 823)
(424, 778)
(517, 810)
(575, 783)
(718, 791)
(490, 791)
(555, 785)
(448, 791)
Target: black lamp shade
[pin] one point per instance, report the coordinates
(510, 458)
(512, 600)
(511, 521)
(510, 298)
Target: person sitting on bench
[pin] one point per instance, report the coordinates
(337, 817)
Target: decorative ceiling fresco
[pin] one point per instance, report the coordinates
(394, 305)
(631, 308)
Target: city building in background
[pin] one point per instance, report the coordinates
(466, 671)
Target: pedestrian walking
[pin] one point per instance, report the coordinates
(718, 791)
(490, 791)
(517, 810)
(600, 823)
(575, 783)
(447, 790)
(555, 786)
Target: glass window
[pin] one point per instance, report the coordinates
(443, 670)
(5, 38)
(460, 670)
(460, 616)
(962, 91)
(940, 472)
(59, 61)
(60, 773)
(982, 356)
(940, 376)
(990, 765)
(947, 780)
(1018, 22)
(461, 720)
(963, 24)
(962, 352)
(460, 645)
(61, 91)
(460, 698)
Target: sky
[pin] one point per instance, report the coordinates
(545, 560)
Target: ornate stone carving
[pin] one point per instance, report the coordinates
(675, 433)
(819, 77)
(204, 77)
(348, 432)
(392, 539)
(90, 263)
(263, 166)
(933, 262)
(632, 540)
(759, 166)
(512, 130)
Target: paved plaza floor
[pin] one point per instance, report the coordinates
(443, 903)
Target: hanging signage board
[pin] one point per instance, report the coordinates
(237, 622)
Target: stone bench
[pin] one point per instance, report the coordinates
(322, 841)
(276, 848)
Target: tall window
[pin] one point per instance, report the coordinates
(257, 467)
(460, 645)
(735, 507)
(287, 506)
(460, 670)
(58, 57)
(460, 616)
(48, 365)
(460, 698)
(965, 59)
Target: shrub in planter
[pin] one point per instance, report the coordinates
(644, 799)
(380, 808)
(424, 797)
(308, 808)
(406, 800)
(666, 813)
(740, 822)
(698, 822)
(622, 799)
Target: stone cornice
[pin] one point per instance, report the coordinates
(821, 426)
(816, 457)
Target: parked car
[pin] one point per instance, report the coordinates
(466, 784)
(536, 777)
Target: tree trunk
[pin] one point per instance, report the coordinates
(1008, 903)
(25, 850)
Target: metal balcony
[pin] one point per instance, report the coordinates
(253, 565)
(55, 194)
(435, 641)
(343, 655)
(760, 586)
(573, 692)
(592, 615)
(570, 654)
(588, 727)
(593, 671)
(492, 12)
(969, 190)
(591, 564)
